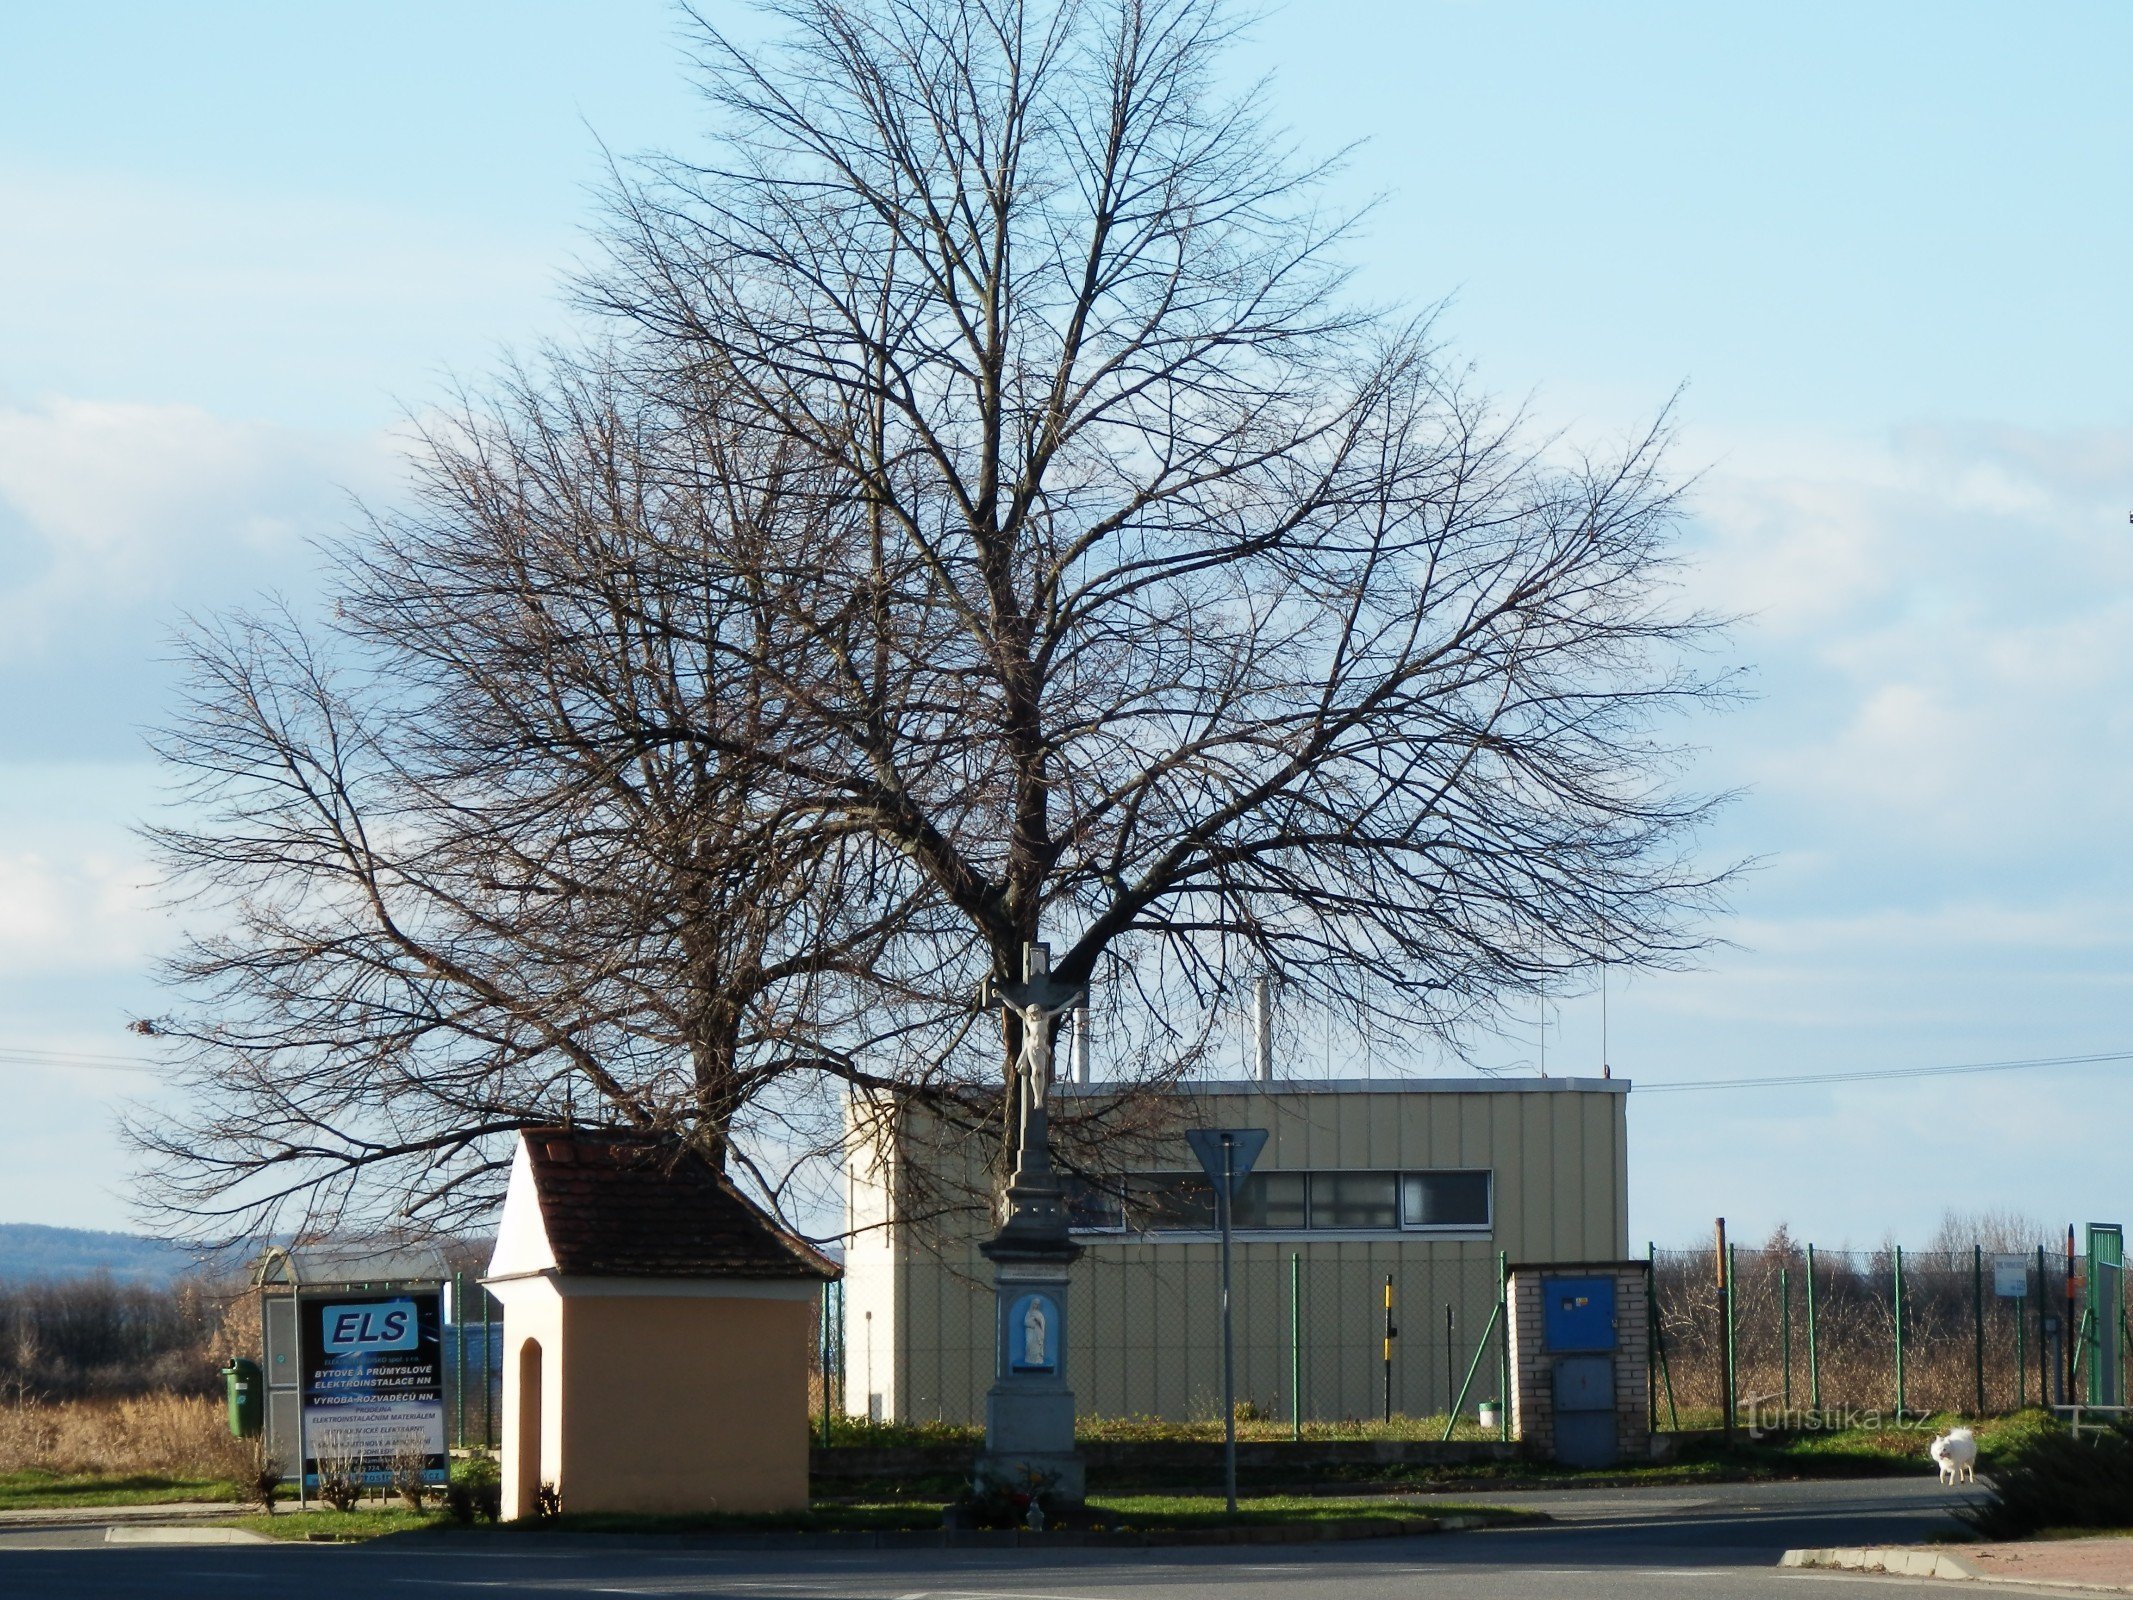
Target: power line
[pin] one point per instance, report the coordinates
(12, 1057)
(16, 1057)
(1884, 1074)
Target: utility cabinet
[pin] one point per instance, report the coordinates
(1581, 1361)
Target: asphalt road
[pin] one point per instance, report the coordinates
(1632, 1544)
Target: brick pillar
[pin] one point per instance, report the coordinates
(1532, 1409)
(1532, 1364)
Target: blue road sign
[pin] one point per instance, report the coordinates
(1244, 1147)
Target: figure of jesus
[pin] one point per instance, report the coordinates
(1036, 1063)
(1034, 1335)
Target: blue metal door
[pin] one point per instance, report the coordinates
(1585, 1383)
(1578, 1313)
(1585, 1411)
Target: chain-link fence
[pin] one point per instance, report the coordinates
(825, 1358)
(472, 1340)
(1778, 1330)
(1788, 1329)
(1313, 1355)
(1329, 1340)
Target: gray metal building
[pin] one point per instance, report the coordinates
(1423, 1180)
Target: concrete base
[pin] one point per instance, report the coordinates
(1029, 1437)
(1020, 1418)
(1059, 1477)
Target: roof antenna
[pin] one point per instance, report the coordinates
(1606, 1071)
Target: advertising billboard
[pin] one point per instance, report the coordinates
(373, 1384)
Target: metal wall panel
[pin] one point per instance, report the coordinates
(1146, 1313)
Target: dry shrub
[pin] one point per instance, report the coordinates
(170, 1434)
(84, 1338)
(1855, 1343)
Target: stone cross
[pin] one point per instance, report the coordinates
(1034, 1206)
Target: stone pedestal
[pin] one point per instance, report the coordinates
(1029, 1410)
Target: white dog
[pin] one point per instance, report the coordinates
(1956, 1453)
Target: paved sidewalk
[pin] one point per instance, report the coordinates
(168, 1511)
(2094, 1565)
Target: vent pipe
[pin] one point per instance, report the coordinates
(1263, 1028)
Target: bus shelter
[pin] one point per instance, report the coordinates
(355, 1375)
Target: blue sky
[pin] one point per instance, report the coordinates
(1884, 249)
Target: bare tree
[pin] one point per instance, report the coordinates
(460, 873)
(1205, 622)
(993, 520)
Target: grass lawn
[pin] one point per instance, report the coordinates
(1148, 1511)
(346, 1525)
(860, 1433)
(1887, 1448)
(1859, 1451)
(1144, 1513)
(43, 1491)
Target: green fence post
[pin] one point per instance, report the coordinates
(840, 1358)
(1296, 1363)
(2123, 1334)
(459, 1354)
(1733, 1368)
(822, 1356)
(2044, 1357)
(1666, 1371)
(1481, 1348)
(1814, 1353)
(1651, 1314)
(1503, 1346)
(1977, 1317)
(1899, 1333)
(488, 1379)
(1785, 1332)
(2021, 1359)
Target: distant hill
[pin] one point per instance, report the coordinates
(32, 1253)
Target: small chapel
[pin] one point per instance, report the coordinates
(656, 1333)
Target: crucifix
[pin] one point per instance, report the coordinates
(1035, 1208)
(1029, 1411)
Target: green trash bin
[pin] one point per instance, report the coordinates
(241, 1383)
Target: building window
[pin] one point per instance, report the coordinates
(1285, 1202)
(1444, 1199)
(1353, 1200)
(1090, 1208)
(1170, 1202)
(1271, 1200)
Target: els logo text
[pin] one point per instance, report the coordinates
(378, 1325)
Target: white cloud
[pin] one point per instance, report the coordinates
(93, 911)
(306, 305)
(1943, 623)
(1986, 926)
(114, 515)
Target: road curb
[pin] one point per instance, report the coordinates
(140, 1515)
(178, 1533)
(1895, 1560)
(1912, 1563)
(1345, 1529)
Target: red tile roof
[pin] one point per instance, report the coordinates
(623, 1205)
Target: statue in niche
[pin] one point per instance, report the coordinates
(1035, 1334)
